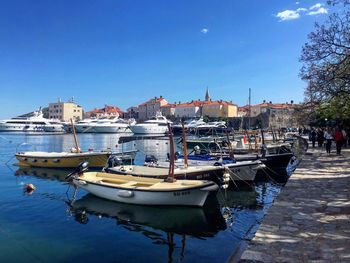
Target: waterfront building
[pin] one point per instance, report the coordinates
(191, 109)
(132, 112)
(219, 109)
(107, 111)
(150, 108)
(168, 110)
(268, 114)
(65, 111)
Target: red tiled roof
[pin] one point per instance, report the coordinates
(107, 109)
(153, 100)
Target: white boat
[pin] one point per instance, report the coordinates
(34, 123)
(188, 125)
(145, 191)
(85, 125)
(240, 171)
(112, 126)
(156, 125)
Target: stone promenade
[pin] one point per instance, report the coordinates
(310, 220)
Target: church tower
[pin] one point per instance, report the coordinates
(207, 96)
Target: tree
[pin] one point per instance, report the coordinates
(326, 65)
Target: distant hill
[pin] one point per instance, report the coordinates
(45, 112)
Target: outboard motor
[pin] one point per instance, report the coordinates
(114, 161)
(82, 167)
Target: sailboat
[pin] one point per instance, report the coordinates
(147, 191)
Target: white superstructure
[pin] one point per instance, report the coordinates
(156, 125)
(35, 123)
(112, 126)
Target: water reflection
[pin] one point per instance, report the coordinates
(158, 224)
(44, 173)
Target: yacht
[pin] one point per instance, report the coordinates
(85, 125)
(188, 125)
(34, 123)
(113, 126)
(156, 125)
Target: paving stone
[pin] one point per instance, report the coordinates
(311, 216)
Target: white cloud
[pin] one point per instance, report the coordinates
(204, 30)
(288, 15)
(297, 3)
(317, 9)
(295, 14)
(301, 9)
(316, 6)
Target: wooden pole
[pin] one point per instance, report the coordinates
(75, 137)
(184, 144)
(171, 176)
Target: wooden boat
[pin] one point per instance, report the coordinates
(213, 173)
(145, 191)
(61, 159)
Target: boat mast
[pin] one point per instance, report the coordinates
(249, 111)
(171, 177)
(184, 144)
(75, 136)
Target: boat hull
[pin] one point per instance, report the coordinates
(145, 191)
(214, 175)
(95, 160)
(148, 129)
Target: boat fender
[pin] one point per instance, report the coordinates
(224, 186)
(125, 193)
(81, 182)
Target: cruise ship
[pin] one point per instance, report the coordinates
(34, 123)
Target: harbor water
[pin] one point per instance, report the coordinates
(48, 226)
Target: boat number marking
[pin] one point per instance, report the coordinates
(182, 193)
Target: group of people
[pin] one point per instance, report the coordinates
(327, 136)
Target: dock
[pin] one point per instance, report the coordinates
(310, 219)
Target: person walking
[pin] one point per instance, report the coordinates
(320, 137)
(329, 137)
(313, 137)
(345, 137)
(338, 137)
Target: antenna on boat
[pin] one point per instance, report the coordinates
(184, 143)
(171, 177)
(75, 137)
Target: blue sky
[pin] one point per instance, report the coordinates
(125, 52)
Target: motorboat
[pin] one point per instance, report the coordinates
(112, 126)
(62, 159)
(72, 159)
(86, 125)
(213, 173)
(156, 125)
(145, 191)
(242, 171)
(189, 125)
(34, 123)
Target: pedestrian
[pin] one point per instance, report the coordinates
(313, 137)
(329, 137)
(338, 136)
(345, 137)
(320, 137)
